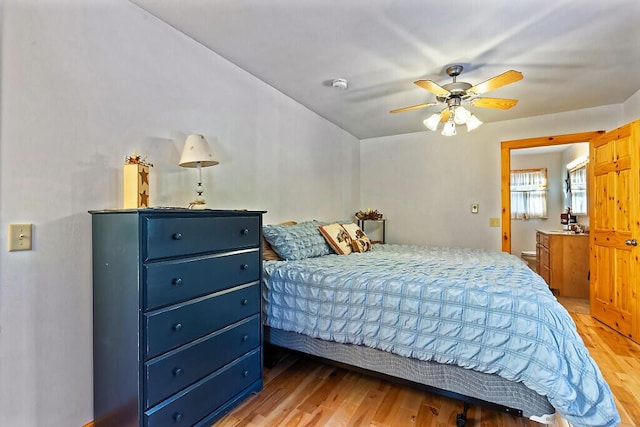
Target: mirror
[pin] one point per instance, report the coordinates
(578, 189)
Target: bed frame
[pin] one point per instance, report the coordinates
(470, 387)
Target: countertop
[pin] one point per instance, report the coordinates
(563, 232)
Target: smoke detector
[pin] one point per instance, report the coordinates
(340, 83)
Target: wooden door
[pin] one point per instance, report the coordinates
(615, 227)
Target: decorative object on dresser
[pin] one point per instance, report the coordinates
(197, 154)
(136, 181)
(176, 314)
(563, 262)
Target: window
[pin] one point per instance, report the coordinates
(529, 193)
(578, 188)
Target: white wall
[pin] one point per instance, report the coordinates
(631, 108)
(83, 84)
(425, 183)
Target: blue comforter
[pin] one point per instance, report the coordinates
(480, 310)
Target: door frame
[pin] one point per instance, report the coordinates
(505, 170)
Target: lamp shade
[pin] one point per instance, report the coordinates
(432, 122)
(196, 152)
(461, 115)
(473, 123)
(449, 128)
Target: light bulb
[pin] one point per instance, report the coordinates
(432, 122)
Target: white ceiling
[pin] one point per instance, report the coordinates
(573, 53)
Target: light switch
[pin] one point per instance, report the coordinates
(474, 208)
(19, 237)
(494, 222)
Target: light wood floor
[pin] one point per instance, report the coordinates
(301, 392)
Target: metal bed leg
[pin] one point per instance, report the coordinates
(461, 419)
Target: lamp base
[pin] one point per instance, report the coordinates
(197, 204)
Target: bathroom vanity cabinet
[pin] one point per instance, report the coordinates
(563, 262)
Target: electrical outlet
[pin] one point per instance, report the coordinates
(474, 208)
(19, 237)
(494, 222)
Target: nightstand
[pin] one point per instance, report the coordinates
(361, 224)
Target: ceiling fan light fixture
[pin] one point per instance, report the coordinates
(449, 128)
(455, 93)
(432, 122)
(461, 115)
(473, 123)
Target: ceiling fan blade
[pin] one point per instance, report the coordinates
(413, 107)
(500, 103)
(493, 83)
(432, 87)
(446, 113)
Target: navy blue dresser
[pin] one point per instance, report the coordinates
(176, 315)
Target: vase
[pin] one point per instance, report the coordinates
(136, 186)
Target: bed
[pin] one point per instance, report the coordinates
(476, 325)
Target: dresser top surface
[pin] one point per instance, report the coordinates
(178, 210)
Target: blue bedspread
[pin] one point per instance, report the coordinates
(481, 310)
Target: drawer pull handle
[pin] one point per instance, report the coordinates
(177, 236)
(245, 338)
(177, 281)
(245, 374)
(245, 301)
(177, 417)
(244, 266)
(177, 372)
(245, 231)
(177, 327)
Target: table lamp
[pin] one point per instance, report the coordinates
(197, 154)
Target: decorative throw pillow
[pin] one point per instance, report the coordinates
(359, 241)
(299, 241)
(361, 245)
(337, 238)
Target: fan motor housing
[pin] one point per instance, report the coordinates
(457, 88)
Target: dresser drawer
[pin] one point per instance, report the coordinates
(169, 282)
(176, 325)
(170, 373)
(168, 237)
(196, 402)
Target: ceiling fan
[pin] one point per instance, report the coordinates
(455, 93)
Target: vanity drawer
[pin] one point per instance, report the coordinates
(169, 373)
(169, 282)
(544, 240)
(176, 325)
(175, 236)
(199, 400)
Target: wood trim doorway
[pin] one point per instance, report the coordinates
(505, 170)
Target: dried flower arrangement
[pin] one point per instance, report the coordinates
(137, 159)
(369, 214)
